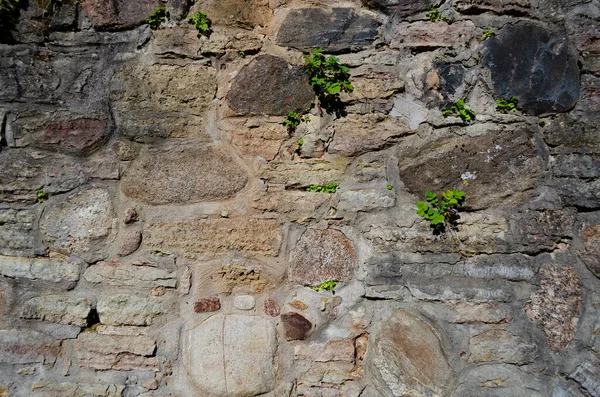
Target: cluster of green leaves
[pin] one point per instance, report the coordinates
(328, 285)
(294, 119)
(299, 144)
(326, 188)
(328, 78)
(504, 106)
(459, 109)
(156, 19)
(201, 23)
(389, 187)
(435, 15)
(487, 34)
(41, 195)
(441, 212)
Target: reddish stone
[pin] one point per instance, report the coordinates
(296, 326)
(207, 305)
(131, 216)
(75, 135)
(272, 307)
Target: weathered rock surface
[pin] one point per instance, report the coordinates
(246, 14)
(67, 389)
(172, 177)
(500, 167)
(232, 355)
(269, 85)
(207, 305)
(401, 8)
(131, 240)
(590, 252)
(57, 269)
(214, 236)
(22, 346)
(433, 34)
(244, 302)
(409, 357)
(498, 345)
(499, 381)
(296, 326)
(334, 29)
(556, 306)
(119, 273)
(542, 73)
(17, 232)
(79, 223)
(121, 353)
(57, 309)
(323, 255)
(160, 101)
(130, 309)
(118, 13)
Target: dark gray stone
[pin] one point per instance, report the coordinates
(541, 70)
(577, 165)
(451, 78)
(178, 9)
(580, 193)
(400, 8)
(335, 29)
(269, 85)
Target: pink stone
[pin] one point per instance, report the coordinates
(206, 305)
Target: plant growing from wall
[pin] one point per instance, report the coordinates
(487, 34)
(328, 285)
(389, 187)
(459, 109)
(328, 78)
(505, 106)
(294, 119)
(299, 144)
(441, 213)
(435, 15)
(326, 188)
(156, 19)
(41, 195)
(201, 23)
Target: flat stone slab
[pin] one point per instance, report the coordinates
(333, 29)
(323, 255)
(57, 269)
(231, 356)
(22, 346)
(269, 85)
(182, 175)
(400, 8)
(541, 71)
(57, 309)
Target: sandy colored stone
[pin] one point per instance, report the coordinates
(433, 34)
(130, 309)
(215, 236)
(295, 205)
(118, 13)
(121, 353)
(322, 255)
(130, 242)
(271, 307)
(335, 350)
(248, 14)
(120, 273)
(80, 222)
(591, 248)
(57, 309)
(255, 137)
(48, 388)
(498, 345)
(244, 302)
(184, 174)
(231, 355)
(305, 173)
(409, 357)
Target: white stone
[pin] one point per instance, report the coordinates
(231, 356)
(409, 111)
(244, 302)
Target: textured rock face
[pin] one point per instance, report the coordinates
(170, 177)
(410, 358)
(118, 13)
(130, 310)
(333, 29)
(232, 355)
(57, 309)
(323, 255)
(542, 73)
(269, 85)
(121, 353)
(80, 222)
(21, 346)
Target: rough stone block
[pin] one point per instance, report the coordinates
(17, 236)
(57, 309)
(121, 353)
(130, 309)
(21, 346)
(119, 273)
(401, 8)
(433, 34)
(57, 269)
(206, 305)
(498, 345)
(118, 13)
(48, 388)
(296, 326)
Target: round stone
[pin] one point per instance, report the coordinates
(244, 302)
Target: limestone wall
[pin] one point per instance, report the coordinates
(157, 237)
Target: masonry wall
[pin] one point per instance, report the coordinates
(157, 237)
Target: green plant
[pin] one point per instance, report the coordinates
(487, 34)
(328, 78)
(504, 106)
(459, 109)
(299, 144)
(327, 188)
(441, 212)
(201, 23)
(436, 15)
(242, 54)
(328, 285)
(156, 19)
(389, 187)
(41, 195)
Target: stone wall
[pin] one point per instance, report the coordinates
(174, 246)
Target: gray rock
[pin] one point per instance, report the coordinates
(130, 309)
(587, 375)
(366, 200)
(130, 242)
(184, 175)
(57, 309)
(122, 353)
(322, 255)
(244, 302)
(51, 388)
(22, 346)
(123, 274)
(400, 371)
(500, 381)
(498, 345)
(401, 8)
(17, 236)
(580, 193)
(334, 29)
(542, 72)
(118, 13)
(57, 269)
(80, 223)
(231, 356)
(269, 85)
